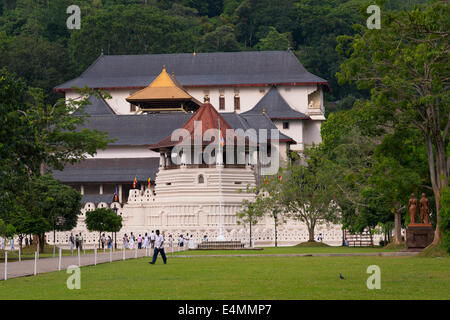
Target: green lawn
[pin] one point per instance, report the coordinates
(244, 278)
(288, 250)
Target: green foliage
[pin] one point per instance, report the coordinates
(306, 196)
(103, 219)
(406, 68)
(251, 213)
(131, 29)
(171, 26)
(34, 133)
(46, 205)
(221, 39)
(7, 230)
(274, 41)
(445, 218)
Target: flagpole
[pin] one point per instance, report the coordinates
(221, 237)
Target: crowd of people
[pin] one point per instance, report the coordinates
(149, 240)
(27, 240)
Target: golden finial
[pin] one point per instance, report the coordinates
(264, 110)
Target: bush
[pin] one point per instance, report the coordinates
(445, 218)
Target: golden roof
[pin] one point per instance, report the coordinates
(164, 87)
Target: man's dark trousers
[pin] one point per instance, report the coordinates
(155, 255)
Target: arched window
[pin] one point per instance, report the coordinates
(201, 179)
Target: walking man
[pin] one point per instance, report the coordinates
(159, 247)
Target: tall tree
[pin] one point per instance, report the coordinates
(35, 133)
(306, 196)
(48, 205)
(101, 220)
(405, 65)
(251, 213)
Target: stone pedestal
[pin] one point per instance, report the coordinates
(419, 236)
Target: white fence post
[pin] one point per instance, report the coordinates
(110, 254)
(123, 253)
(6, 265)
(59, 260)
(79, 257)
(95, 256)
(35, 262)
(135, 253)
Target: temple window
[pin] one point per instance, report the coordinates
(201, 179)
(314, 100)
(237, 102)
(286, 125)
(221, 102)
(132, 108)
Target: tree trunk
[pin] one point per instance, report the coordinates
(438, 176)
(371, 238)
(311, 233)
(41, 239)
(276, 234)
(397, 227)
(251, 233)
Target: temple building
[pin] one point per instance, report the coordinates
(241, 95)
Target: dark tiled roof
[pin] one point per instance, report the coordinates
(97, 106)
(109, 170)
(254, 121)
(209, 118)
(202, 69)
(276, 107)
(148, 129)
(135, 130)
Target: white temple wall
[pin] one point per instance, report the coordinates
(295, 96)
(312, 132)
(295, 131)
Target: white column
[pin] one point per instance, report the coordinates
(120, 193)
(101, 189)
(82, 190)
(162, 159)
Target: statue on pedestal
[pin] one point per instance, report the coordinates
(424, 206)
(419, 235)
(412, 208)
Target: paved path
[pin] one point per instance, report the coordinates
(26, 267)
(381, 254)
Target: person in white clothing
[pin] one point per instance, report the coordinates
(187, 239)
(152, 239)
(145, 245)
(159, 247)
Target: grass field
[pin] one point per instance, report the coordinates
(244, 278)
(288, 250)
